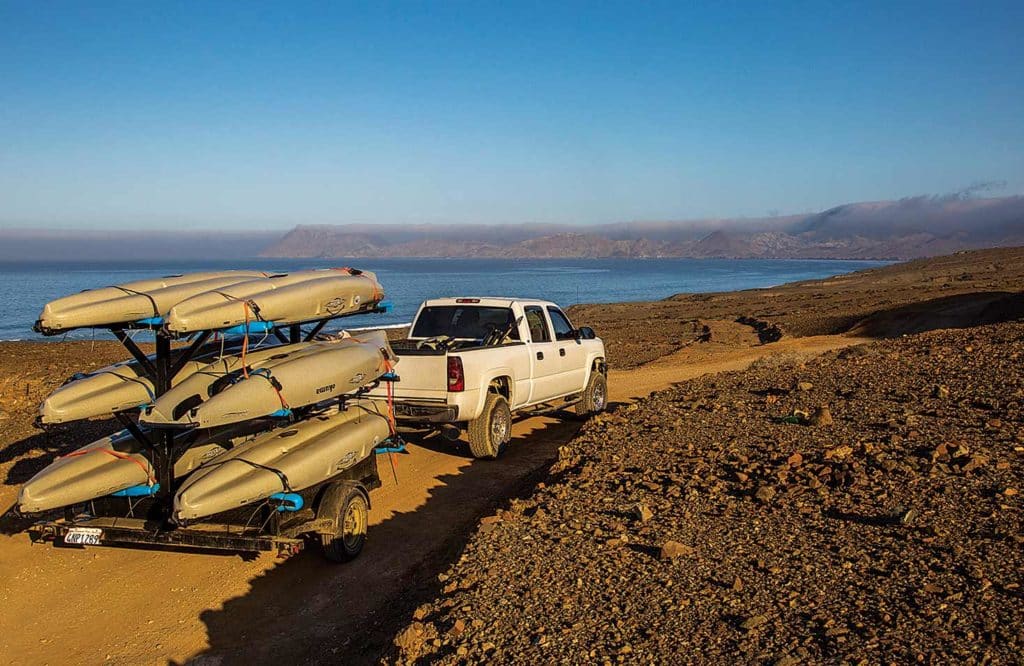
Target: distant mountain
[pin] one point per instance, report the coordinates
(903, 229)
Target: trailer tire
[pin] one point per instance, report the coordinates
(352, 519)
(595, 396)
(489, 432)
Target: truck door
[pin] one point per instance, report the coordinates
(572, 355)
(544, 356)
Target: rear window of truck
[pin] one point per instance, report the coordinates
(463, 321)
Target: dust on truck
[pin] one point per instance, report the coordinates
(470, 363)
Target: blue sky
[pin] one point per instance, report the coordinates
(261, 115)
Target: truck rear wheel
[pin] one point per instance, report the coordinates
(489, 432)
(352, 519)
(595, 396)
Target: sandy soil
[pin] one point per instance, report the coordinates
(170, 606)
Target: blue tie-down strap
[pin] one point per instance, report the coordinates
(288, 501)
(151, 321)
(390, 377)
(391, 445)
(281, 414)
(385, 307)
(255, 328)
(141, 490)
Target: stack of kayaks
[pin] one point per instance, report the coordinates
(185, 304)
(252, 421)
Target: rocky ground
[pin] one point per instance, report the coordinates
(968, 288)
(863, 507)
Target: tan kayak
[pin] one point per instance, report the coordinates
(286, 299)
(283, 461)
(212, 378)
(130, 302)
(111, 465)
(298, 376)
(115, 388)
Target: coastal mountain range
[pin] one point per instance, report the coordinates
(903, 229)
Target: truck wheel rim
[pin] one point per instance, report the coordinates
(354, 526)
(598, 396)
(499, 427)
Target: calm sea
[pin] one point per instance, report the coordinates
(25, 287)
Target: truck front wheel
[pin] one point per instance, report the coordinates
(595, 396)
(489, 432)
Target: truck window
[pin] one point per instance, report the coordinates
(463, 321)
(538, 325)
(563, 329)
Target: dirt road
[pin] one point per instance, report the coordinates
(132, 606)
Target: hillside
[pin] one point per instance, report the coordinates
(903, 229)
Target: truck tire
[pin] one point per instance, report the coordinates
(352, 519)
(489, 432)
(595, 396)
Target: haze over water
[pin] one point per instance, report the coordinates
(26, 287)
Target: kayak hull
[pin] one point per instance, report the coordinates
(284, 460)
(109, 465)
(130, 302)
(284, 300)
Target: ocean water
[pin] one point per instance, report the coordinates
(26, 287)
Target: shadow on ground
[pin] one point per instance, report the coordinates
(306, 609)
(960, 311)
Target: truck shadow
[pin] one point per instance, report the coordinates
(306, 609)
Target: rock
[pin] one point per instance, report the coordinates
(458, 628)
(642, 513)
(976, 462)
(410, 641)
(672, 549)
(804, 386)
(839, 452)
(765, 494)
(795, 460)
(821, 416)
(753, 622)
(940, 391)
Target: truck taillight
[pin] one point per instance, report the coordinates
(456, 377)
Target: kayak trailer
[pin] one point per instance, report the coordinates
(337, 517)
(334, 512)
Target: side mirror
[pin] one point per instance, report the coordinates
(585, 333)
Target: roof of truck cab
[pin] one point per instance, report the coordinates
(487, 301)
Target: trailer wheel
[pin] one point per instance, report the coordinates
(352, 520)
(595, 396)
(489, 432)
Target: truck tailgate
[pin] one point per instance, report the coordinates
(422, 378)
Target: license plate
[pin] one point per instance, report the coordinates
(83, 536)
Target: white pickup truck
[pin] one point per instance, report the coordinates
(473, 362)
